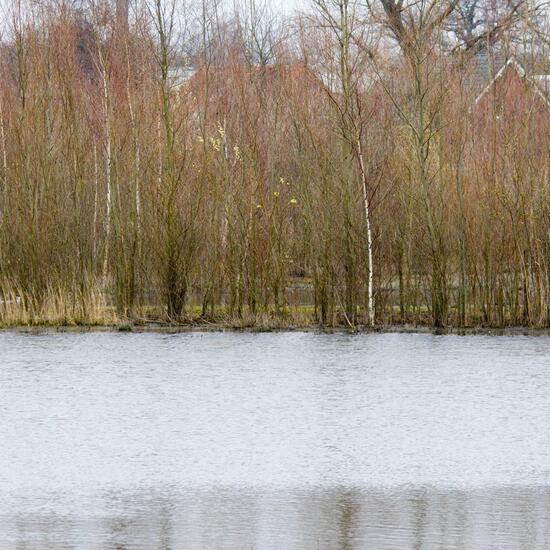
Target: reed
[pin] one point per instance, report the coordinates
(54, 307)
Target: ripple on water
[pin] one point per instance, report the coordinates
(288, 440)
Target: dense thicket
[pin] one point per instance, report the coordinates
(335, 168)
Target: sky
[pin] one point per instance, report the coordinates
(287, 6)
(282, 6)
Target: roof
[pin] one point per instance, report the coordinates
(180, 74)
(282, 75)
(485, 66)
(488, 69)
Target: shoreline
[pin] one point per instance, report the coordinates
(168, 328)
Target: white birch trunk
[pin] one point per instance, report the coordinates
(137, 160)
(4, 150)
(366, 203)
(108, 169)
(96, 195)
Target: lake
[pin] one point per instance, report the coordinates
(274, 441)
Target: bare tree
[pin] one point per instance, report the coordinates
(343, 21)
(122, 13)
(259, 31)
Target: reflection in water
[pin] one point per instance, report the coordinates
(342, 519)
(273, 441)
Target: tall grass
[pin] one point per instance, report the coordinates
(53, 307)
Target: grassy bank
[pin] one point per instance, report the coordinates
(93, 313)
(180, 328)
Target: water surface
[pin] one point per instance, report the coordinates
(274, 441)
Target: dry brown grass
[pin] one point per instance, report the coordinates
(54, 307)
